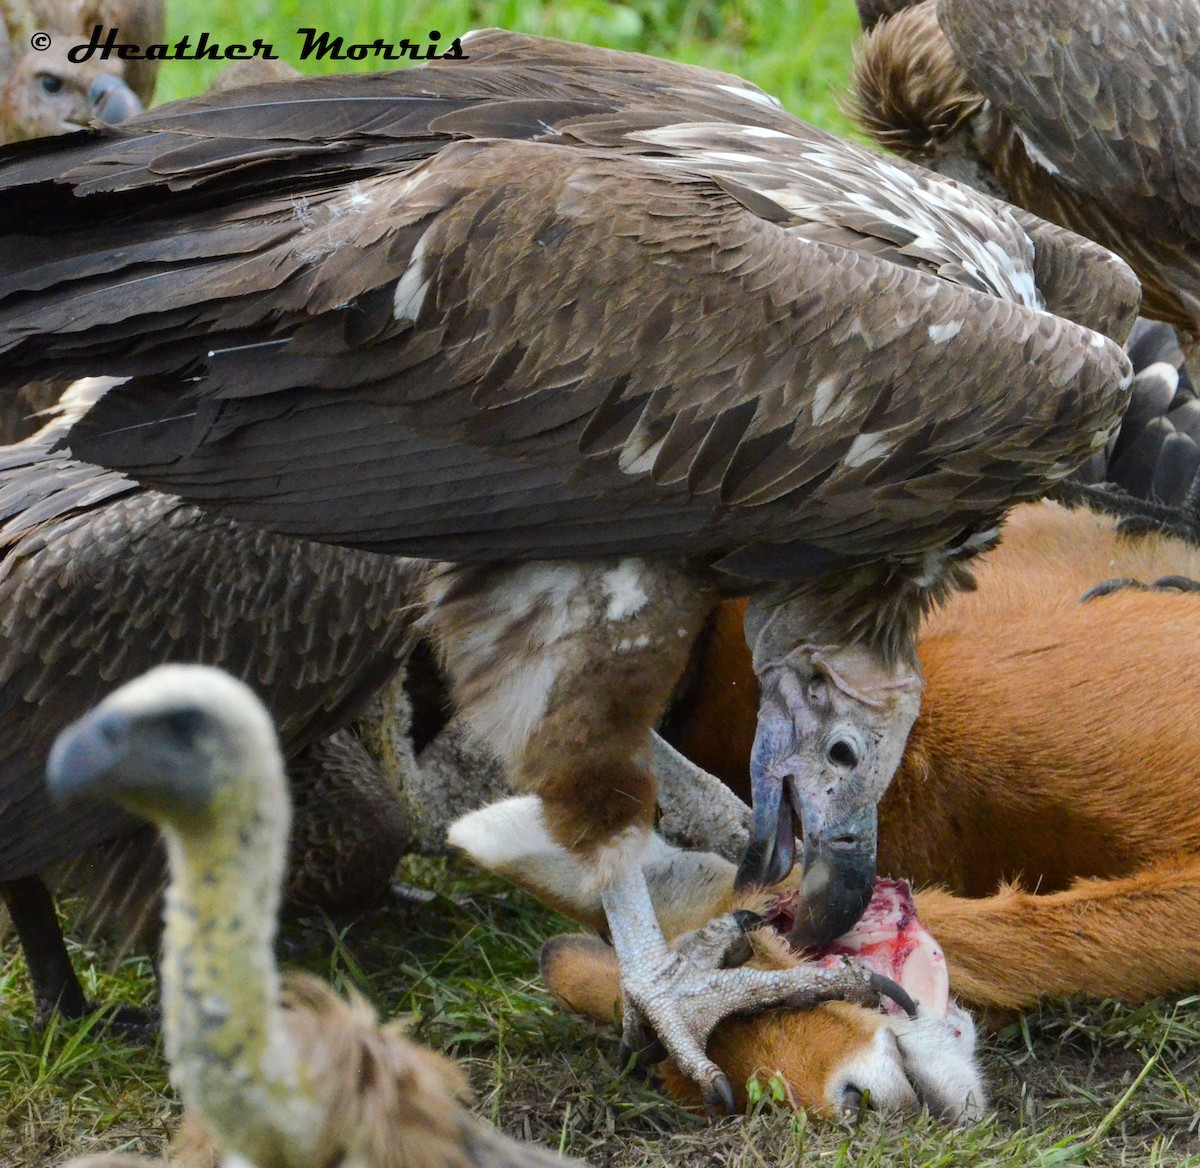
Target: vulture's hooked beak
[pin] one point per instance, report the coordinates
(110, 100)
(839, 855)
(85, 755)
(139, 762)
(831, 734)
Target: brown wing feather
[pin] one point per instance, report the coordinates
(100, 580)
(555, 276)
(1108, 92)
(644, 341)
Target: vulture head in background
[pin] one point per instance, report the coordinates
(609, 337)
(1081, 111)
(273, 1075)
(44, 93)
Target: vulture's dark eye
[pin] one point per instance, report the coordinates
(842, 753)
(49, 83)
(183, 724)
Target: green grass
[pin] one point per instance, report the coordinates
(1096, 1085)
(798, 50)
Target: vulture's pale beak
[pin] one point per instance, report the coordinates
(110, 100)
(137, 762)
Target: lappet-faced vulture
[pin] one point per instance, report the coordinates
(608, 336)
(1086, 112)
(99, 579)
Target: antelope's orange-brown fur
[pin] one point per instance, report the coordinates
(1046, 802)
(802, 1051)
(1047, 795)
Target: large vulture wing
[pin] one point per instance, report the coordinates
(608, 340)
(99, 580)
(521, 351)
(1106, 95)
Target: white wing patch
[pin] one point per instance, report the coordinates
(868, 448)
(837, 183)
(755, 95)
(1036, 154)
(940, 333)
(412, 285)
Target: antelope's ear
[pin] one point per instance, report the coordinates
(927, 979)
(582, 973)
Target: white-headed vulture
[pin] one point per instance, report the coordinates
(609, 337)
(1085, 112)
(273, 1074)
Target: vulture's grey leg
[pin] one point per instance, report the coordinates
(56, 987)
(698, 810)
(563, 669)
(684, 991)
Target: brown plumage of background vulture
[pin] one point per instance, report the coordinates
(610, 336)
(1155, 457)
(1087, 114)
(43, 92)
(100, 579)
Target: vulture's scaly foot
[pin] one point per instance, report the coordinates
(138, 1024)
(680, 994)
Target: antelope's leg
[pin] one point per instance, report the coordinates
(1132, 937)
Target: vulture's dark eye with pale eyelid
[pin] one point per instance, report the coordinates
(182, 724)
(842, 753)
(49, 83)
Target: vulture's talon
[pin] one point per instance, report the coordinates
(639, 1049)
(684, 1000)
(1176, 584)
(887, 988)
(721, 944)
(747, 920)
(1108, 587)
(136, 1024)
(1162, 584)
(718, 1098)
(133, 1024)
(1143, 525)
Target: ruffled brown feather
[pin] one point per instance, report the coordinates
(908, 91)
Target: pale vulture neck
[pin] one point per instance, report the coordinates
(231, 1056)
